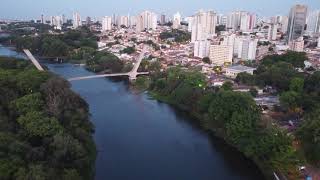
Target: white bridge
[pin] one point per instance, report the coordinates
(33, 60)
(132, 74)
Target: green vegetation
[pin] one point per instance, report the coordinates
(61, 45)
(105, 62)
(45, 132)
(299, 95)
(206, 60)
(178, 35)
(233, 116)
(128, 50)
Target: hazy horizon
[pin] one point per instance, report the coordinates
(32, 9)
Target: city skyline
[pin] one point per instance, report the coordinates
(32, 9)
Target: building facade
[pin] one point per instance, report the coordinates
(220, 54)
(296, 22)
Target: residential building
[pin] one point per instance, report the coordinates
(56, 22)
(313, 23)
(247, 49)
(176, 20)
(284, 24)
(203, 25)
(76, 20)
(220, 54)
(318, 43)
(163, 19)
(233, 71)
(146, 21)
(201, 48)
(297, 21)
(123, 21)
(106, 23)
(247, 21)
(297, 45)
(272, 32)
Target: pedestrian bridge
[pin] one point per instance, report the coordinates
(132, 74)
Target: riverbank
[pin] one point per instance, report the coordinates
(266, 170)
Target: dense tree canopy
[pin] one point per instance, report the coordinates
(44, 128)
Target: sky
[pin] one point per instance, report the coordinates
(32, 9)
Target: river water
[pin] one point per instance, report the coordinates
(142, 139)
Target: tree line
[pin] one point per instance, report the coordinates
(45, 132)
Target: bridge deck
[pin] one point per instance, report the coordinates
(33, 60)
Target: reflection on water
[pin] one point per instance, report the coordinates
(141, 139)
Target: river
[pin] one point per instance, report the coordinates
(139, 138)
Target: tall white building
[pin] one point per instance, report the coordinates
(297, 22)
(106, 23)
(272, 32)
(234, 20)
(203, 25)
(313, 23)
(56, 21)
(76, 20)
(247, 49)
(189, 20)
(247, 21)
(123, 21)
(220, 54)
(146, 21)
(284, 24)
(318, 43)
(176, 20)
(201, 48)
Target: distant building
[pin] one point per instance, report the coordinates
(201, 48)
(176, 20)
(56, 22)
(203, 25)
(88, 21)
(220, 54)
(247, 49)
(297, 45)
(247, 21)
(123, 21)
(318, 43)
(284, 24)
(272, 32)
(313, 23)
(163, 19)
(233, 71)
(106, 23)
(76, 20)
(297, 22)
(146, 21)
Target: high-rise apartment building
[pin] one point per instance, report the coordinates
(106, 23)
(272, 32)
(56, 22)
(318, 43)
(313, 23)
(163, 19)
(247, 21)
(203, 25)
(201, 48)
(146, 21)
(297, 21)
(76, 20)
(176, 20)
(247, 49)
(220, 54)
(123, 21)
(284, 24)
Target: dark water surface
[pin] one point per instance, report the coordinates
(141, 139)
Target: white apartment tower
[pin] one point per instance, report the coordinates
(247, 49)
(76, 20)
(56, 21)
(203, 25)
(313, 23)
(176, 20)
(106, 23)
(146, 21)
(272, 32)
(318, 43)
(201, 48)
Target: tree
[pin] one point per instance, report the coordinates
(309, 134)
(253, 92)
(245, 78)
(37, 124)
(28, 103)
(290, 100)
(296, 85)
(206, 60)
(227, 86)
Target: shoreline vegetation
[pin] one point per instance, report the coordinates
(232, 116)
(45, 132)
